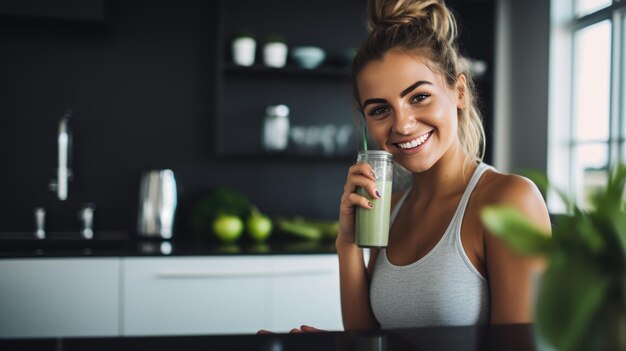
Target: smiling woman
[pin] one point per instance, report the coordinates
(441, 266)
(414, 111)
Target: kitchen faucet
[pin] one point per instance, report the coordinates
(64, 172)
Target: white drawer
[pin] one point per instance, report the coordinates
(195, 295)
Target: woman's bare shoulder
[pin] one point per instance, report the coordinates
(497, 188)
(513, 190)
(511, 299)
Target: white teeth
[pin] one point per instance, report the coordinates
(414, 143)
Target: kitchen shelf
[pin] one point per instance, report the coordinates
(318, 99)
(260, 71)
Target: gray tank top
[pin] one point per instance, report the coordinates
(442, 288)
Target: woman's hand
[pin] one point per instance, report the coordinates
(302, 329)
(359, 175)
(353, 276)
(305, 329)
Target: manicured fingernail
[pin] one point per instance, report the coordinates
(377, 193)
(370, 204)
(373, 174)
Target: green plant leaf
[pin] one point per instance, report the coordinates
(619, 220)
(587, 230)
(609, 212)
(617, 182)
(572, 293)
(584, 288)
(605, 223)
(522, 235)
(624, 290)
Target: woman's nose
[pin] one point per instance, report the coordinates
(404, 122)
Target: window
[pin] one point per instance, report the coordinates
(585, 7)
(587, 95)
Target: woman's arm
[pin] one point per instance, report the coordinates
(353, 275)
(354, 285)
(511, 275)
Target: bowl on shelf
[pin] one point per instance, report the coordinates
(308, 56)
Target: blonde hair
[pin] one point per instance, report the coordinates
(427, 28)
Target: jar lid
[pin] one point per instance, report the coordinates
(373, 154)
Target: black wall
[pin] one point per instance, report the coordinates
(142, 86)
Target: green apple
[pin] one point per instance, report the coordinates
(259, 227)
(227, 228)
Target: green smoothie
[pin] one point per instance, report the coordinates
(372, 225)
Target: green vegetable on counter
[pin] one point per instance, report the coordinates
(308, 229)
(259, 226)
(225, 213)
(227, 228)
(220, 201)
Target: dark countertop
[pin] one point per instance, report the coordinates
(120, 244)
(500, 337)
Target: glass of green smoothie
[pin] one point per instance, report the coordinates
(372, 224)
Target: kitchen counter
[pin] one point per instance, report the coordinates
(118, 244)
(500, 337)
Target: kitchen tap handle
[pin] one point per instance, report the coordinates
(86, 216)
(40, 219)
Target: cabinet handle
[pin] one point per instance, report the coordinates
(284, 272)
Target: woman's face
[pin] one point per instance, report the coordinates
(409, 110)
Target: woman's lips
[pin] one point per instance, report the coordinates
(415, 143)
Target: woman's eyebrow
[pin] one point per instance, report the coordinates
(413, 86)
(373, 101)
(402, 94)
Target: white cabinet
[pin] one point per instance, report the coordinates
(227, 295)
(59, 297)
(305, 290)
(194, 295)
(181, 295)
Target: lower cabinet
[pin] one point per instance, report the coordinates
(169, 296)
(304, 290)
(59, 297)
(229, 295)
(133, 296)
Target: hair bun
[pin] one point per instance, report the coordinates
(425, 14)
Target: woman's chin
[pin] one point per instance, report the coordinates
(413, 166)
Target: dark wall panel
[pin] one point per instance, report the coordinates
(142, 87)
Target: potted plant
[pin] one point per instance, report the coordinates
(581, 302)
(275, 51)
(244, 49)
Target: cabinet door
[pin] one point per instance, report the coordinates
(59, 297)
(194, 295)
(305, 290)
